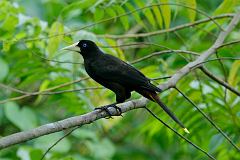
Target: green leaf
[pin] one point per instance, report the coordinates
(10, 23)
(6, 46)
(98, 14)
(42, 87)
(158, 15)
(56, 36)
(24, 118)
(36, 154)
(234, 73)
(4, 69)
(123, 19)
(117, 49)
(191, 13)
(135, 14)
(111, 12)
(147, 13)
(166, 10)
(227, 6)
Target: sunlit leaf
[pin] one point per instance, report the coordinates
(135, 14)
(123, 19)
(166, 13)
(42, 87)
(56, 36)
(191, 12)
(147, 12)
(99, 14)
(158, 16)
(10, 23)
(234, 73)
(226, 6)
(118, 50)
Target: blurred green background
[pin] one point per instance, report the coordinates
(33, 30)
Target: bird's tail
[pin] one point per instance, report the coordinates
(155, 98)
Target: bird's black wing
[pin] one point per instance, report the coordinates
(112, 69)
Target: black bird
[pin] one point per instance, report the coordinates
(117, 75)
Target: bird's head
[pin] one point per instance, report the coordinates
(84, 47)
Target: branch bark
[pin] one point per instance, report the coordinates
(127, 106)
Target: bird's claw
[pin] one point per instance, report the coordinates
(105, 108)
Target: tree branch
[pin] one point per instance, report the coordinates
(67, 123)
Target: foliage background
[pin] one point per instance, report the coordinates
(25, 28)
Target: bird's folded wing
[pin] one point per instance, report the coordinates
(115, 70)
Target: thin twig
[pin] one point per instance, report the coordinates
(218, 80)
(228, 43)
(181, 136)
(37, 93)
(163, 52)
(54, 144)
(209, 120)
(214, 59)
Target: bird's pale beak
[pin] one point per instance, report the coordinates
(72, 47)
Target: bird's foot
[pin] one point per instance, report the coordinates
(106, 109)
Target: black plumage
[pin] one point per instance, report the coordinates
(117, 75)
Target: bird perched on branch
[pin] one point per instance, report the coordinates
(118, 76)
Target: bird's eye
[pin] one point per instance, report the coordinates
(84, 45)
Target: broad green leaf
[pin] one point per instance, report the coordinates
(42, 87)
(36, 154)
(158, 16)
(227, 6)
(111, 12)
(117, 49)
(10, 23)
(6, 46)
(166, 13)
(98, 14)
(4, 69)
(135, 14)
(191, 13)
(24, 118)
(123, 19)
(56, 36)
(234, 73)
(147, 13)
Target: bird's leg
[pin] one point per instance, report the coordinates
(105, 108)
